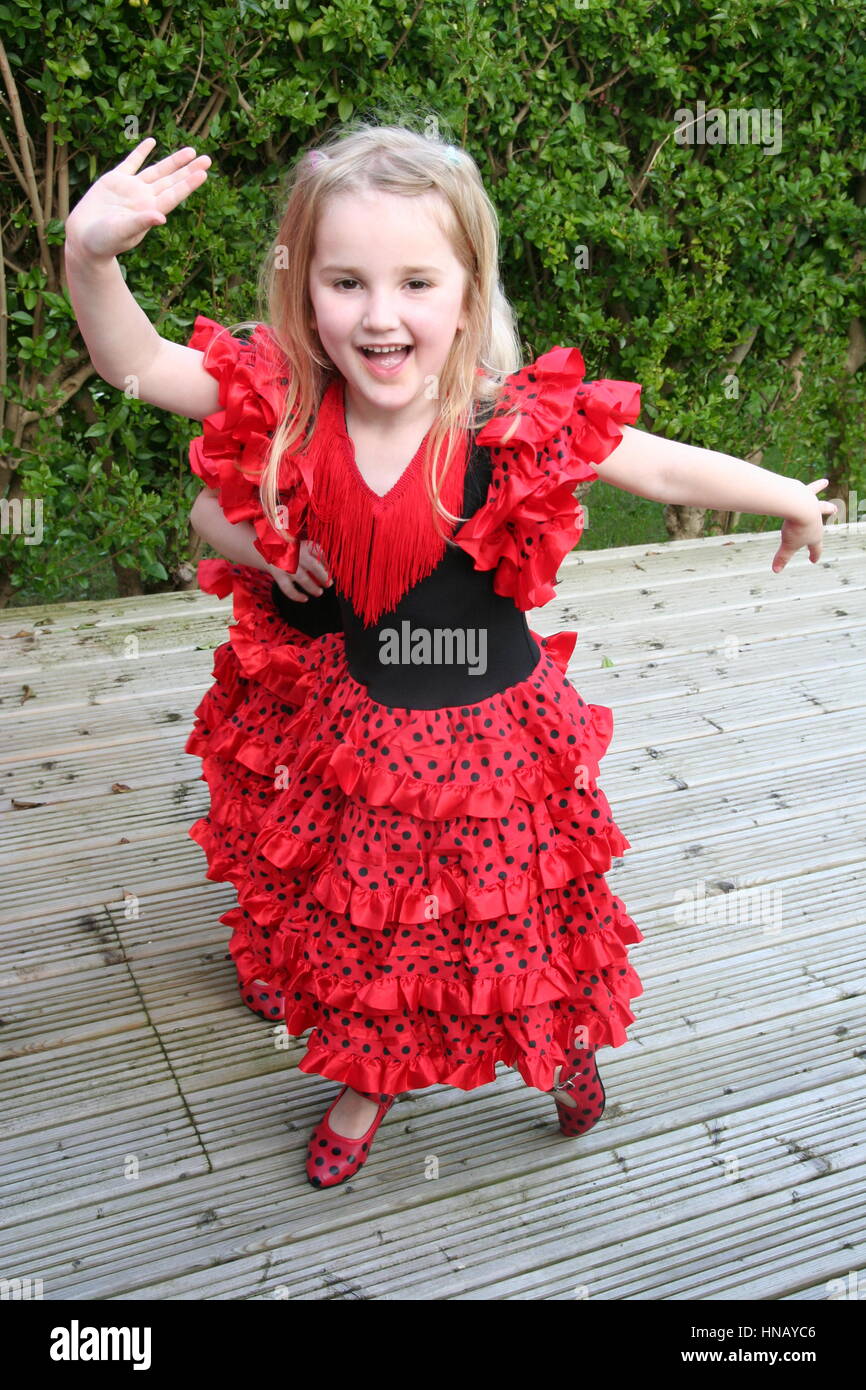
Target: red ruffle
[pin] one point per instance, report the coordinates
(511, 993)
(297, 994)
(239, 717)
(534, 943)
(531, 518)
(293, 887)
(302, 990)
(237, 730)
(230, 453)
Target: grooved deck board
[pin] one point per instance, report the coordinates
(153, 1130)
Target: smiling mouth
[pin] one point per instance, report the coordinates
(387, 359)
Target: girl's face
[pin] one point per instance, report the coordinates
(383, 273)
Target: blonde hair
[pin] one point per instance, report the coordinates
(363, 155)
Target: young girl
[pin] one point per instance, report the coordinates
(427, 884)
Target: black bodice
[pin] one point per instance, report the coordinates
(450, 640)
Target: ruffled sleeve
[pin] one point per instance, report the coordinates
(531, 518)
(230, 454)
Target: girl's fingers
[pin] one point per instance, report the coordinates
(320, 573)
(170, 164)
(175, 193)
(291, 590)
(313, 563)
(178, 185)
(136, 157)
(169, 177)
(312, 577)
(307, 583)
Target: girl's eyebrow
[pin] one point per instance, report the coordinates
(404, 270)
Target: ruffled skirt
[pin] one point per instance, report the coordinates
(424, 889)
(236, 734)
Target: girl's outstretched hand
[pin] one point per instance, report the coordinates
(808, 532)
(311, 575)
(118, 211)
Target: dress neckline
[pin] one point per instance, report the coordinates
(338, 388)
(379, 545)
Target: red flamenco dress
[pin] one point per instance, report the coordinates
(236, 733)
(426, 889)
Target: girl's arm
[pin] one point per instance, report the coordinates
(234, 541)
(685, 475)
(125, 348)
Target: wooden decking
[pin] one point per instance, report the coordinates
(154, 1132)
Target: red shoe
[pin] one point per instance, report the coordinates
(331, 1157)
(579, 1075)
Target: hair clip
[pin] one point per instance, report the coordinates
(452, 154)
(316, 157)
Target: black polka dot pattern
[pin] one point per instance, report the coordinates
(428, 893)
(236, 733)
(332, 1158)
(532, 518)
(581, 1081)
(425, 889)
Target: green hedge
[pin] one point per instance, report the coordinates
(700, 255)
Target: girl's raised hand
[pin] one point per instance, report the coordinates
(311, 576)
(118, 211)
(808, 532)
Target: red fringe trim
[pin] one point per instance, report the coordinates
(378, 548)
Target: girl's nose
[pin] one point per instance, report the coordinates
(381, 314)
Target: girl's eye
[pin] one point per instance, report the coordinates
(338, 283)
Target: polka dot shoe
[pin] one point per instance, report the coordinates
(331, 1157)
(579, 1076)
